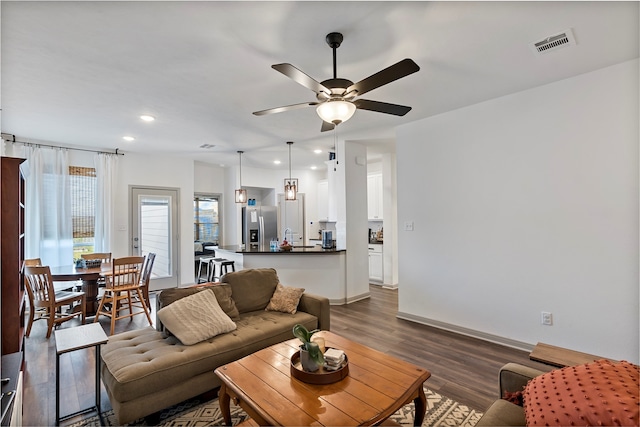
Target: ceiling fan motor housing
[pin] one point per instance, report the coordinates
(338, 89)
(334, 40)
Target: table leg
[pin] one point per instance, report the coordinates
(98, 378)
(90, 289)
(98, 399)
(420, 404)
(225, 404)
(57, 389)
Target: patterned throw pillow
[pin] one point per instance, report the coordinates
(196, 318)
(597, 393)
(285, 299)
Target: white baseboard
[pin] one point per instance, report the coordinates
(343, 301)
(466, 331)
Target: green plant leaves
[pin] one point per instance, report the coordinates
(304, 335)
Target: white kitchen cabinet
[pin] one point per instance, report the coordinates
(323, 200)
(375, 263)
(374, 196)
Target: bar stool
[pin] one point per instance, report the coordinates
(221, 264)
(207, 261)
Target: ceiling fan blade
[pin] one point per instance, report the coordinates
(284, 108)
(388, 75)
(381, 107)
(327, 126)
(301, 78)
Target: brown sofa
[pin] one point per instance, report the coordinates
(145, 371)
(513, 378)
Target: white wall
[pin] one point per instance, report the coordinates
(352, 221)
(156, 171)
(523, 204)
(208, 179)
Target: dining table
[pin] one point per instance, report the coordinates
(89, 279)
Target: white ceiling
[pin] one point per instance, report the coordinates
(80, 73)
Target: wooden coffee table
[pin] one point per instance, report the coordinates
(376, 387)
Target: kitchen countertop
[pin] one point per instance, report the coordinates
(297, 250)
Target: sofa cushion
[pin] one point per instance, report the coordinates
(196, 318)
(171, 295)
(222, 292)
(597, 393)
(136, 362)
(285, 299)
(502, 413)
(251, 289)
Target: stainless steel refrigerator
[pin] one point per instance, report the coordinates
(259, 225)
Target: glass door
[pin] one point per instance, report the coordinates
(154, 228)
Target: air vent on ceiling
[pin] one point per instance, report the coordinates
(207, 146)
(554, 42)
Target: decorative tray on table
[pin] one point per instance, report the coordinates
(322, 375)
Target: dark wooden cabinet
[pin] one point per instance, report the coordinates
(12, 290)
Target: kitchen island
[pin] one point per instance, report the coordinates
(319, 271)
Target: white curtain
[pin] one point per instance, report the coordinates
(106, 174)
(48, 228)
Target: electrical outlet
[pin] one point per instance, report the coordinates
(546, 318)
(408, 226)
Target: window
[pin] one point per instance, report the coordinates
(206, 224)
(82, 184)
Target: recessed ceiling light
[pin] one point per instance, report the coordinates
(318, 151)
(128, 138)
(276, 162)
(147, 118)
(314, 168)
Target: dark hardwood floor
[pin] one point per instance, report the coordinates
(462, 368)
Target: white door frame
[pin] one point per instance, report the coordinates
(135, 191)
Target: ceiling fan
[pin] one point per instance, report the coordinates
(337, 99)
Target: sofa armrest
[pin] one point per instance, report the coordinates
(319, 307)
(514, 377)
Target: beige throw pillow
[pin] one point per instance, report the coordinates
(196, 318)
(285, 299)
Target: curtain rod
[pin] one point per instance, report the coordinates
(12, 139)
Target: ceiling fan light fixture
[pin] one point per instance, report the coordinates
(336, 111)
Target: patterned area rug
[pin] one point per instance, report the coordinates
(441, 411)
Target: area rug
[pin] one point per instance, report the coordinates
(441, 411)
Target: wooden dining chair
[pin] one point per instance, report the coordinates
(146, 275)
(105, 257)
(102, 256)
(39, 284)
(34, 311)
(122, 290)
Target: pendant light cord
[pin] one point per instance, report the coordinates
(289, 143)
(240, 153)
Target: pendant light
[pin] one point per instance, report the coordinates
(290, 185)
(241, 193)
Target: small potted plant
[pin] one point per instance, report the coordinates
(311, 356)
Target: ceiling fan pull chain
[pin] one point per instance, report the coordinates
(335, 145)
